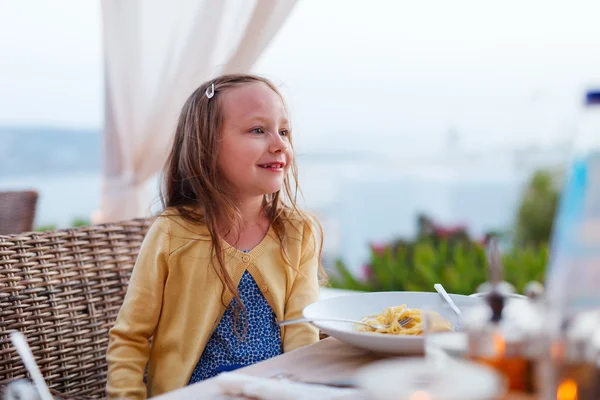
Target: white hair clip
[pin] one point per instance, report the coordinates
(210, 91)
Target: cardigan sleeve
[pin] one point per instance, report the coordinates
(129, 349)
(304, 291)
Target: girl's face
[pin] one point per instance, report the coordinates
(255, 151)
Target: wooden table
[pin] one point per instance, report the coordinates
(325, 361)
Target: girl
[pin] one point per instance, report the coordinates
(228, 257)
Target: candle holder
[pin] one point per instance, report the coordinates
(505, 334)
(570, 366)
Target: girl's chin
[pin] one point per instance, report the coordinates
(270, 189)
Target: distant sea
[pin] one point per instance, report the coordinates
(62, 197)
(358, 200)
(354, 211)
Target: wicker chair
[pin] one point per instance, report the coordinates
(17, 211)
(63, 290)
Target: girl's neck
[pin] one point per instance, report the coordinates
(253, 226)
(252, 211)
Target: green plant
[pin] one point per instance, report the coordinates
(76, 223)
(46, 227)
(537, 210)
(79, 222)
(450, 257)
(459, 266)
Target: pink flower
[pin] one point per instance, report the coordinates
(367, 272)
(378, 248)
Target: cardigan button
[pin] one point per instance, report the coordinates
(245, 258)
(264, 288)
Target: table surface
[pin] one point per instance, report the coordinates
(326, 361)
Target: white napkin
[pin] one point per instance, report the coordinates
(20, 390)
(236, 384)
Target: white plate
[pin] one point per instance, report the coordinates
(356, 306)
(443, 379)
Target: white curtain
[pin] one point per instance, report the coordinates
(156, 53)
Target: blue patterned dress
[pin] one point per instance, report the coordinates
(226, 351)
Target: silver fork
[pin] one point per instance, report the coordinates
(338, 383)
(403, 322)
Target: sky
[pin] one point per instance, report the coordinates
(380, 76)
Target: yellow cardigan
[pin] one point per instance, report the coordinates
(174, 297)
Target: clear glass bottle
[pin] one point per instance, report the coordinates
(573, 276)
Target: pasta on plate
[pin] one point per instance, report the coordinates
(391, 317)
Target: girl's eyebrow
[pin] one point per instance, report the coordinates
(282, 121)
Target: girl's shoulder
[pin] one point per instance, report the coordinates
(179, 222)
(297, 217)
(178, 229)
(301, 223)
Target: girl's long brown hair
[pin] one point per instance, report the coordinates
(194, 187)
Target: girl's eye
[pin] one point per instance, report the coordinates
(284, 132)
(258, 131)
